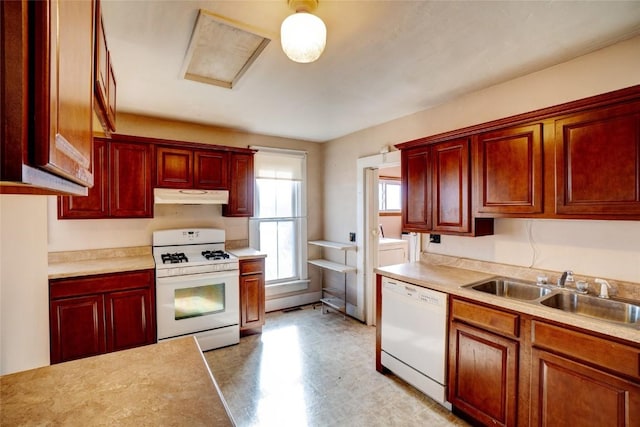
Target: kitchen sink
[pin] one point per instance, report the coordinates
(512, 289)
(599, 308)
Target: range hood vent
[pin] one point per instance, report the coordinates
(173, 196)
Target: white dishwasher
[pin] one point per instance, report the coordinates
(414, 328)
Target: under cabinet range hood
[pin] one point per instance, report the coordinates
(174, 196)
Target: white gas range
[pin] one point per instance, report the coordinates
(197, 287)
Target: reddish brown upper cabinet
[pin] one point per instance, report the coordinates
(131, 186)
(47, 101)
(508, 171)
(124, 188)
(96, 203)
(105, 81)
(436, 190)
(186, 168)
(252, 296)
(211, 170)
(598, 162)
(416, 189)
(451, 195)
(92, 315)
(174, 167)
(241, 186)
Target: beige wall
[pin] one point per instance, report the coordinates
(24, 289)
(597, 248)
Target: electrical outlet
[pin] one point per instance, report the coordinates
(352, 237)
(434, 238)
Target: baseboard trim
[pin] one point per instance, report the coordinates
(292, 301)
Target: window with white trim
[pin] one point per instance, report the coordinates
(389, 195)
(279, 225)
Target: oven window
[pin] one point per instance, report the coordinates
(199, 301)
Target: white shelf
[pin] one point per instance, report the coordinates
(335, 303)
(333, 245)
(331, 297)
(333, 266)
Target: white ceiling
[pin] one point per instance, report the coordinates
(383, 60)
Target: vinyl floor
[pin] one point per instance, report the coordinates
(314, 369)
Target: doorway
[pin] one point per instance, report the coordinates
(368, 228)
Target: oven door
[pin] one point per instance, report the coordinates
(196, 303)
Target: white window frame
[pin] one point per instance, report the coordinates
(383, 181)
(301, 283)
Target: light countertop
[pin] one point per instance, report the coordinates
(247, 253)
(99, 261)
(451, 280)
(165, 384)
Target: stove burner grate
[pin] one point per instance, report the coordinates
(174, 258)
(214, 255)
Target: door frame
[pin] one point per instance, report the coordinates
(368, 230)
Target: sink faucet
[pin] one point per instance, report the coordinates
(567, 276)
(604, 288)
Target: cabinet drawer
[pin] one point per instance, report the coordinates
(498, 321)
(602, 352)
(62, 288)
(251, 266)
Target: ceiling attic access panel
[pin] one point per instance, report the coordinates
(221, 50)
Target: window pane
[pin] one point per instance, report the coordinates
(393, 196)
(277, 198)
(277, 239)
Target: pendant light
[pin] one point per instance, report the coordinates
(303, 35)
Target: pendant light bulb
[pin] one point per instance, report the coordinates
(303, 35)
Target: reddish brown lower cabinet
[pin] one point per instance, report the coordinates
(567, 393)
(483, 372)
(77, 327)
(252, 296)
(92, 315)
(600, 379)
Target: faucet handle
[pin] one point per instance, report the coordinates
(604, 288)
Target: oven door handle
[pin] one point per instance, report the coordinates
(203, 278)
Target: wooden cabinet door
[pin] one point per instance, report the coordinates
(210, 171)
(63, 90)
(416, 189)
(252, 301)
(508, 171)
(598, 162)
(96, 203)
(451, 204)
(77, 328)
(174, 167)
(483, 372)
(129, 319)
(567, 393)
(241, 182)
(252, 294)
(130, 180)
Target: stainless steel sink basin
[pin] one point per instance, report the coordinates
(511, 289)
(599, 308)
